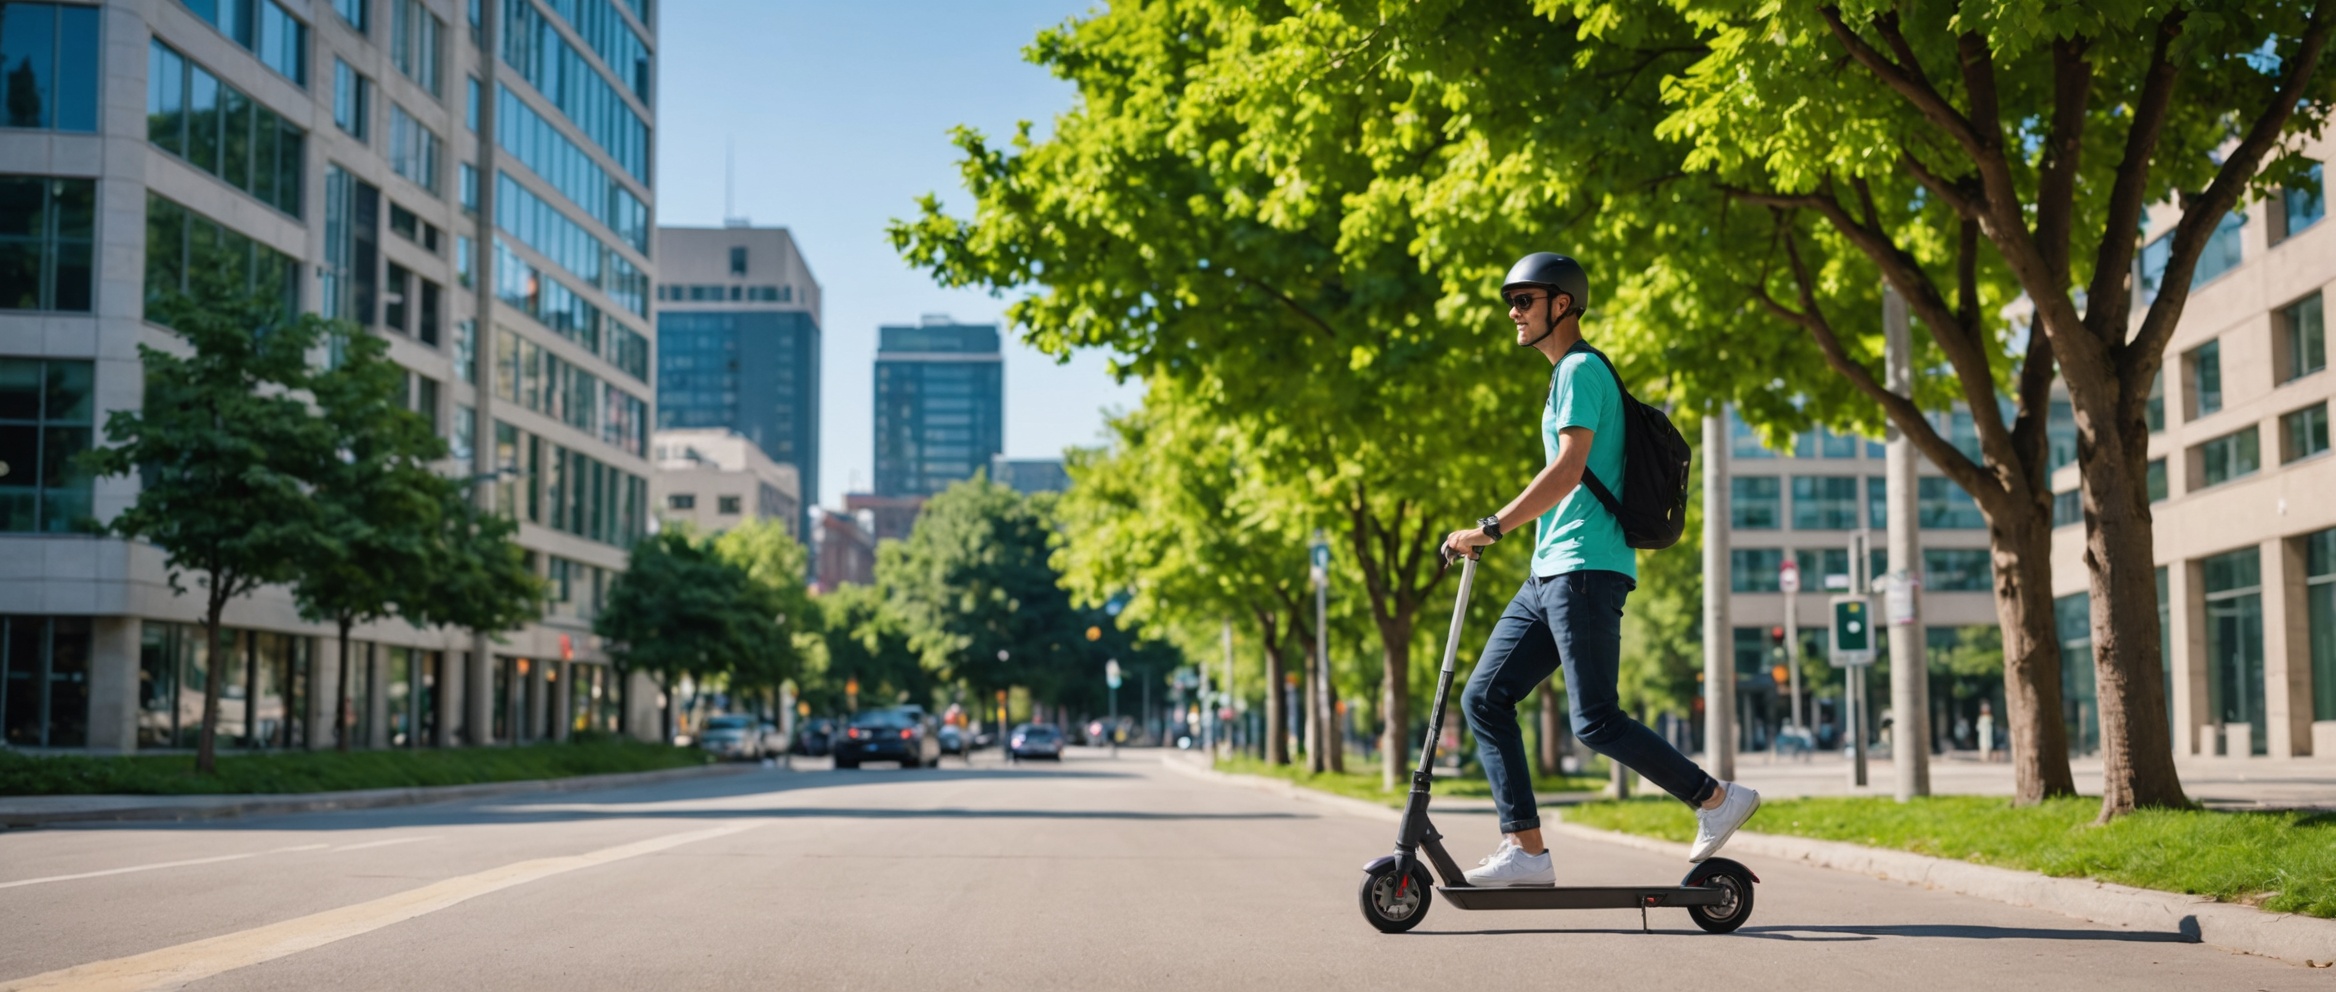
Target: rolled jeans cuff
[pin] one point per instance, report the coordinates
(1513, 826)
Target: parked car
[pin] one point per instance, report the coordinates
(952, 740)
(1035, 740)
(816, 738)
(774, 742)
(732, 737)
(888, 735)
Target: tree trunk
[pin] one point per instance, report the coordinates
(1395, 696)
(1277, 717)
(341, 714)
(206, 742)
(1552, 745)
(2031, 656)
(2137, 748)
(665, 712)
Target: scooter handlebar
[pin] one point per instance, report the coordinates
(1459, 612)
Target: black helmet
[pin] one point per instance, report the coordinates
(1554, 271)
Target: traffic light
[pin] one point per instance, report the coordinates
(1094, 633)
(1776, 643)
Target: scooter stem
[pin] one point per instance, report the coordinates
(1427, 756)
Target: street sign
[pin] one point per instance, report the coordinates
(1853, 632)
(1898, 591)
(1319, 555)
(1788, 576)
(1111, 673)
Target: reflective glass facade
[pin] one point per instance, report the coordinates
(940, 406)
(49, 52)
(536, 49)
(220, 130)
(754, 372)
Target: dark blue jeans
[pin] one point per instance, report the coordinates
(1573, 620)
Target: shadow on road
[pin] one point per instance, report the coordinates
(1842, 933)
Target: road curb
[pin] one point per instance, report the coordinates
(2289, 937)
(226, 807)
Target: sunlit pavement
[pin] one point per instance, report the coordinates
(2223, 783)
(1093, 873)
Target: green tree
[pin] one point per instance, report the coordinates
(1205, 212)
(679, 609)
(774, 563)
(863, 641)
(225, 447)
(1965, 155)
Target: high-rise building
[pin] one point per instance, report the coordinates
(470, 180)
(940, 404)
(1030, 475)
(738, 342)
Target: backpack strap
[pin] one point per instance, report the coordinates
(1598, 489)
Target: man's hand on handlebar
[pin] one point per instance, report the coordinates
(1468, 542)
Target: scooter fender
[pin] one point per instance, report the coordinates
(1384, 861)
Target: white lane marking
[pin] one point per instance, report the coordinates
(381, 843)
(172, 967)
(161, 864)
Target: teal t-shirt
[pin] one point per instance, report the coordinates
(1578, 534)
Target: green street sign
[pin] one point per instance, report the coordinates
(1853, 632)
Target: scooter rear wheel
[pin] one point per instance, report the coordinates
(1395, 900)
(1735, 882)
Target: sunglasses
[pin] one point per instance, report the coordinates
(1523, 301)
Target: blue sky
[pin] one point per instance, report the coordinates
(840, 114)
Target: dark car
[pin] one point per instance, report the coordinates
(816, 737)
(953, 740)
(887, 735)
(1035, 740)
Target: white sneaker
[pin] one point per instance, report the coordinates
(1509, 865)
(1714, 826)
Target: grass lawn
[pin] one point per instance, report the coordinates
(329, 771)
(2285, 862)
(1360, 784)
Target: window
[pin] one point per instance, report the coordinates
(2080, 697)
(2231, 456)
(2060, 434)
(410, 226)
(263, 26)
(1754, 569)
(2234, 643)
(466, 350)
(470, 189)
(352, 247)
(2157, 480)
(727, 505)
(2223, 252)
(2204, 364)
(2153, 410)
(1742, 442)
(681, 501)
(2320, 613)
(46, 418)
(566, 312)
(422, 398)
(352, 100)
(1818, 565)
(2068, 508)
(1822, 442)
(541, 55)
(180, 242)
(2301, 205)
(47, 242)
(1877, 502)
(541, 226)
(463, 263)
(1957, 570)
(737, 261)
(1824, 502)
(413, 42)
(428, 315)
(461, 442)
(546, 151)
(217, 129)
(355, 14)
(395, 292)
(1942, 504)
(44, 681)
(413, 149)
(49, 54)
(2303, 338)
(1755, 502)
(2303, 433)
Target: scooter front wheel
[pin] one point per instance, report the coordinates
(1735, 884)
(1395, 900)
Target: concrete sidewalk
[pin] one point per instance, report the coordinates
(34, 811)
(2221, 783)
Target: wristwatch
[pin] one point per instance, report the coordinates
(1492, 526)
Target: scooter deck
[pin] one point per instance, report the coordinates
(1580, 896)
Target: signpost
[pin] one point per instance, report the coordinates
(1853, 649)
(1788, 578)
(1319, 717)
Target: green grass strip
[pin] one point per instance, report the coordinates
(1364, 785)
(329, 771)
(2284, 862)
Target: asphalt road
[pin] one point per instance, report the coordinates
(1095, 874)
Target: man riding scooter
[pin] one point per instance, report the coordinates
(1569, 612)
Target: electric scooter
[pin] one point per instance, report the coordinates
(1716, 893)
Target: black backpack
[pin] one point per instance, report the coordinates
(1654, 471)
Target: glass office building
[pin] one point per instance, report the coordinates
(470, 179)
(940, 405)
